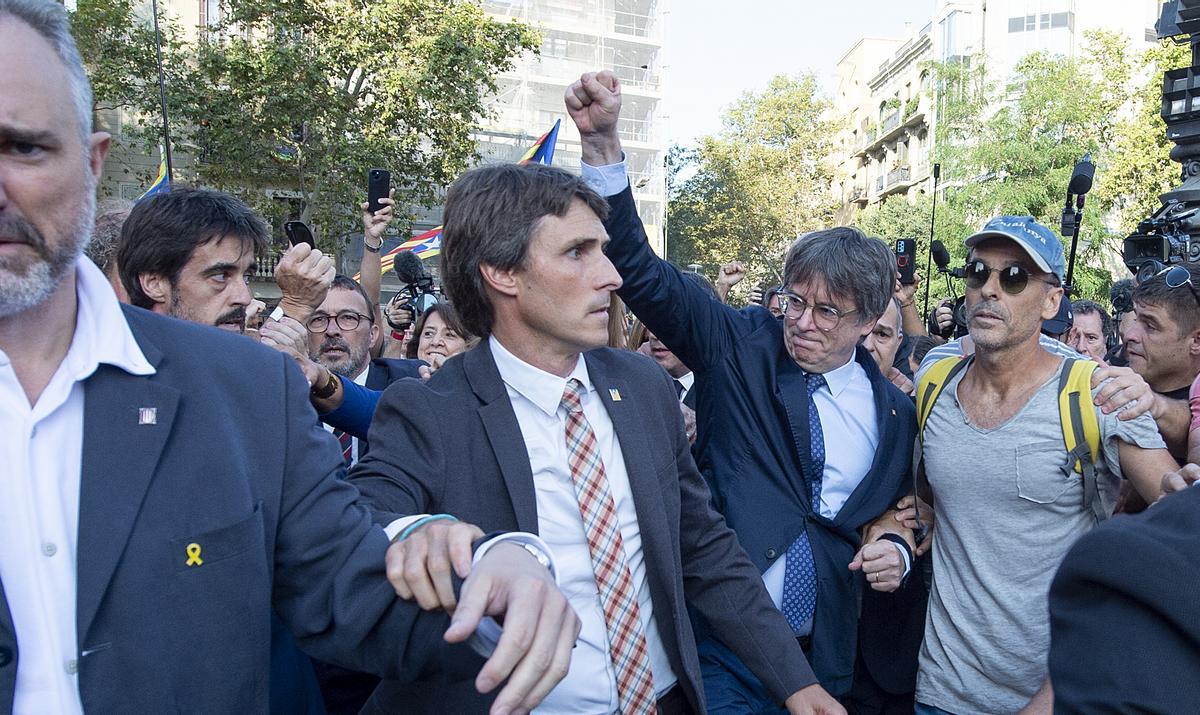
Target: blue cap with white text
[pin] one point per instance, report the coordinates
(1039, 242)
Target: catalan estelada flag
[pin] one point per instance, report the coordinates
(542, 151)
(429, 244)
(162, 183)
(426, 245)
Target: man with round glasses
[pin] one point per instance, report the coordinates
(802, 440)
(1004, 522)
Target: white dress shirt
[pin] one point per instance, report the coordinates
(590, 685)
(687, 381)
(361, 380)
(41, 449)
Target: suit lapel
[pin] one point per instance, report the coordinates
(791, 400)
(127, 420)
(884, 423)
(504, 433)
(632, 426)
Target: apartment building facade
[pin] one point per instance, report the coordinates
(883, 92)
(625, 36)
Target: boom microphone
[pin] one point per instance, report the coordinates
(1081, 178)
(940, 255)
(408, 268)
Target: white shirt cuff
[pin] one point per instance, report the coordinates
(606, 180)
(907, 561)
(523, 539)
(393, 529)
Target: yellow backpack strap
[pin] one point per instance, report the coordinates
(1081, 428)
(930, 386)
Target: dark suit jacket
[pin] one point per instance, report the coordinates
(453, 445)
(383, 372)
(236, 463)
(1125, 614)
(752, 441)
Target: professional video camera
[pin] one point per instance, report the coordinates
(1172, 234)
(417, 292)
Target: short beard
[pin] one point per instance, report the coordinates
(176, 309)
(25, 287)
(348, 367)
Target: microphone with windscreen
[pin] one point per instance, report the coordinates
(416, 286)
(1081, 178)
(1072, 216)
(408, 269)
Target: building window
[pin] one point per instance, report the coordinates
(1016, 24)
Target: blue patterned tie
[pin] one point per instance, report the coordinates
(800, 573)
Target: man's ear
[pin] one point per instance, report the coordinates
(1193, 343)
(1054, 296)
(157, 288)
(501, 280)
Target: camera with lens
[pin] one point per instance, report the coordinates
(1165, 237)
(1172, 234)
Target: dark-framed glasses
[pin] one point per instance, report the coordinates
(825, 317)
(346, 321)
(1173, 276)
(1013, 279)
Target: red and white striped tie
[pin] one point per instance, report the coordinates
(346, 440)
(618, 598)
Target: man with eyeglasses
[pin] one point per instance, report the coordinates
(801, 438)
(1009, 503)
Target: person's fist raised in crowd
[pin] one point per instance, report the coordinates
(594, 103)
(728, 276)
(304, 275)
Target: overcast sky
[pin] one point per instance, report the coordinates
(718, 49)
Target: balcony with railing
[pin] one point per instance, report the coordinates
(889, 122)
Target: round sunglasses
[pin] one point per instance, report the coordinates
(1013, 279)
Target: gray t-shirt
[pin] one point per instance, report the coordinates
(1007, 510)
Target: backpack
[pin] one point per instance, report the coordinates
(1080, 427)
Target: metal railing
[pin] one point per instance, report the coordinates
(896, 176)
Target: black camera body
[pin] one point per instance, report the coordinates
(1170, 236)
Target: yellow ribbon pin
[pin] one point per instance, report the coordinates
(193, 554)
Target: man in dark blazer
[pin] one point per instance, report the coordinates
(523, 262)
(166, 484)
(754, 375)
(1125, 615)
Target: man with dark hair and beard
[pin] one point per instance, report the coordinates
(188, 253)
(1010, 501)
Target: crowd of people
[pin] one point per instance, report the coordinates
(583, 482)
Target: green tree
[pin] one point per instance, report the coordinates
(299, 98)
(747, 192)
(1138, 167)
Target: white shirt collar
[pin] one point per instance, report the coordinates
(543, 389)
(687, 381)
(101, 334)
(839, 378)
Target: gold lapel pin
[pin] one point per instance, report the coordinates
(615, 394)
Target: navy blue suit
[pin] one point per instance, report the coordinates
(345, 691)
(752, 440)
(234, 462)
(1125, 615)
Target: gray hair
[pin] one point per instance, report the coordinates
(49, 19)
(851, 265)
(106, 233)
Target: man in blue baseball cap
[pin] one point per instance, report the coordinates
(994, 453)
